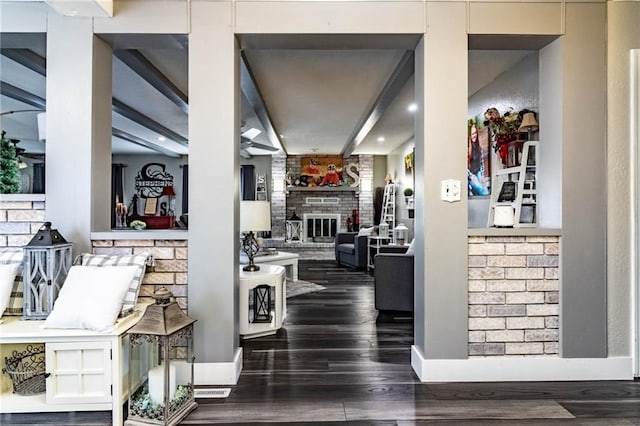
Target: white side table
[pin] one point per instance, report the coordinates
(255, 300)
(373, 247)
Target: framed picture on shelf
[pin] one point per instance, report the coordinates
(150, 206)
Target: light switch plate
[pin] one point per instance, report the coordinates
(450, 190)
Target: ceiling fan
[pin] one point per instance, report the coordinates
(21, 153)
(247, 141)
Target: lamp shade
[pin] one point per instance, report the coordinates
(529, 123)
(255, 216)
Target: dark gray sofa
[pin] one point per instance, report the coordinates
(393, 279)
(351, 249)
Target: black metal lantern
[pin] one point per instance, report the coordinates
(161, 364)
(47, 260)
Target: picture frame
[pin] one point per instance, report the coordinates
(150, 206)
(478, 159)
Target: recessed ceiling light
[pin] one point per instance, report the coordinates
(72, 12)
(162, 138)
(380, 138)
(412, 107)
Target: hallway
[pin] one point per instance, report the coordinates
(334, 362)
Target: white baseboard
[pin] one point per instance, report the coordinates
(520, 368)
(218, 373)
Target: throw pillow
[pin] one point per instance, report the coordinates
(14, 255)
(8, 274)
(138, 260)
(91, 297)
(366, 231)
(411, 249)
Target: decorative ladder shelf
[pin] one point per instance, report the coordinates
(525, 175)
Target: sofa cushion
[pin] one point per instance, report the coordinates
(348, 248)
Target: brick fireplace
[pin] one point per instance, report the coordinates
(319, 202)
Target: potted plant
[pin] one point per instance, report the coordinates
(408, 194)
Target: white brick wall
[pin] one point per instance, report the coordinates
(20, 220)
(170, 264)
(513, 296)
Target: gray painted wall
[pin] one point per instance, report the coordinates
(135, 162)
(583, 314)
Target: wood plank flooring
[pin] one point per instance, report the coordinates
(337, 362)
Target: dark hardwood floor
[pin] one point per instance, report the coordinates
(336, 361)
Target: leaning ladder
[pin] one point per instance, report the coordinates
(389, 205)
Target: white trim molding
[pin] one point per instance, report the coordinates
(218, 373)
(514, 368)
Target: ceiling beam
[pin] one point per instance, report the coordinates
(126, 111)
(403, 72)
(27, 58)
(152, 75)
(121, 134)
(23, 96)
(37, 63)
(252, 93)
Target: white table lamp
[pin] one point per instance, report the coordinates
(254, 216)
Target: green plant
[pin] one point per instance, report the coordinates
(10, 176)
(408, 192)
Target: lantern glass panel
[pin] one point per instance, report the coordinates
(161, 377)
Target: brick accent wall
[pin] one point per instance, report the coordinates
(278, 199)
(20, 219)
(365, 200)
(513, 295)
(169, 269)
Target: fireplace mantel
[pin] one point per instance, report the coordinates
(322, 189)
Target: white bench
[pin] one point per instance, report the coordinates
(88, 369)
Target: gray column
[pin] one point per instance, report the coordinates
(78, 147)
(583, 294)
(441, 258)
(214, 169)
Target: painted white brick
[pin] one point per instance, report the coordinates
(507, 261)
(3, 215)
(541, 335)
(524, 248)
(552, 249)
(523, 273)
(543, 285)
(551, 347)
(25, 215)
(477, 311)
(506, 310)
(524, 348)
(542, 310)
(541, 239)
(551, 273)
(525, 297)
(522, 323)
(486, 273)
(486, 324)
(476, 239)
(486, 298)
(505, 239)
(156, 252)
(477, 285)
(505, 335)
(551, 322)
(102, 243)
(476, 336)
(477, 261)
(506, 285)
(542, 261)
(486, 249)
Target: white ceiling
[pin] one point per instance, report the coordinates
(317, 92)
